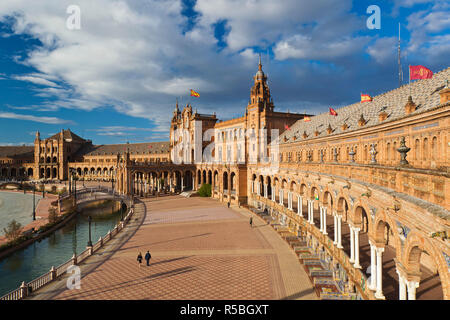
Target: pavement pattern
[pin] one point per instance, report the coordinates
(201, 250)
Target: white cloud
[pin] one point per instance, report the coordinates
(48, 120)
(384, 50)
(36, 80)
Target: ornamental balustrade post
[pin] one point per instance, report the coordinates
(325, 220)
(352, 155)
(101, 241)
(74, 259)
(52, 273)
(403, 150)
(23, 290)
(373, 154)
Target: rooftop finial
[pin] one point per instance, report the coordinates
(260, 65)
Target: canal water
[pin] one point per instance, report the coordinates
(16, 206)
(38, 258)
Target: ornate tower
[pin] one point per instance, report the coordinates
(260, 92)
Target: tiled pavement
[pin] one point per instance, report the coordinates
(200, 250)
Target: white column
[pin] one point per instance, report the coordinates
(281, 197)
(401, 287)
(357, 265)
(290, 200)
(379, 292)
(299, 206)
(325, 221)
(335, 229)
(412, 285)
(352, 245)
(273, 193)
(373, 267)
(182, 185)
(339, 218)
(265, 191)
(321, 217)
(253, 186)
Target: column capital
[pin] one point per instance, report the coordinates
(356, 229)
(412, 284)
(379, 250)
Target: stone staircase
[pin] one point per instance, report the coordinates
(326, 287)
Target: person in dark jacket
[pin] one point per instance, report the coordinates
(139, 259)
(148, 256)
(251, 222)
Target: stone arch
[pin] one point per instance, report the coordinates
(328, 199)
(293, 186)
(225, 180)
(360, 218)
(315, 193)
(414, 247)
(209, 181)
(269, 187)
(30, 172)
(380, 225)
(233, 181)
(79, 172)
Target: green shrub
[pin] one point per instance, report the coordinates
(13, 230)
(52, 215)
(205, 190)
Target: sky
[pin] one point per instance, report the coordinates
(116, 78)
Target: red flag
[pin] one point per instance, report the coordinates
(286, 127)
(194, 94)
(419, 72)
(333, 112)
(365, 98)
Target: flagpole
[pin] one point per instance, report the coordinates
(409, 72)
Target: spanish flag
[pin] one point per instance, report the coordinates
(419, 72)
(286, 127)
(306, 119)
(194, 94)
(333, 112)
(365, 98)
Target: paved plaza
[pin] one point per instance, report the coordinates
(200, 250)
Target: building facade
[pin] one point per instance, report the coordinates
(368, 188)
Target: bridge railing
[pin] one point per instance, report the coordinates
(26, 288)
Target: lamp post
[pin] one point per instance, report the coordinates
(121, 210)
(89, 242)
(34, 204)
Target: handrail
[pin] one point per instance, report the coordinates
(54, 273)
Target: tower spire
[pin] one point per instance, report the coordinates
(259, 64)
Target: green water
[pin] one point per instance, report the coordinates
(38, 258)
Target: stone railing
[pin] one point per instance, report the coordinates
(428, 185)
(354, 275)
(26, 288)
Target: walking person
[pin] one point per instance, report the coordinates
(148, 256)
(139, 259)
(251, 222)
(228, 204)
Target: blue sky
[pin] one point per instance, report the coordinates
(117, 77)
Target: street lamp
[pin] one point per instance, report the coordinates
(89, 242)
(121, 210)
(34, 203)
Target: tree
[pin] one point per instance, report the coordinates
(13, 230)
(205, 190)
(52, 215)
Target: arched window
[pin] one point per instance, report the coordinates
(434, 149)
(417, 149)
(425, 148)
(388, 151)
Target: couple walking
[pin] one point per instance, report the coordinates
(148, 256)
